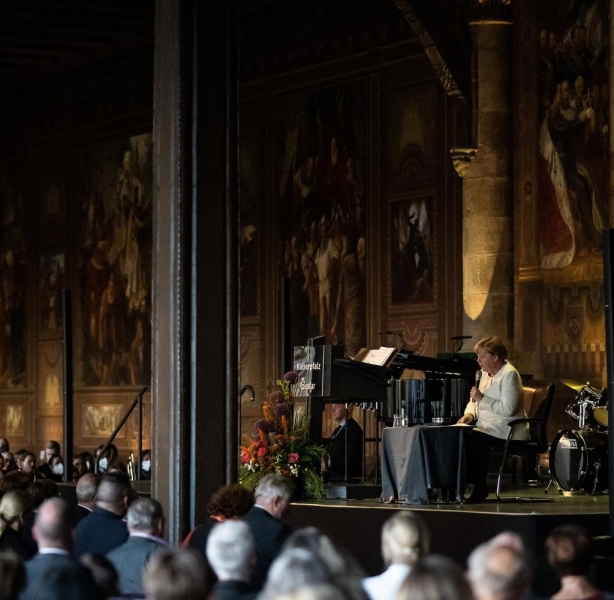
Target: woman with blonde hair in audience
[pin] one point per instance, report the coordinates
(15, 508)
(570, 553)
(435, 577)
(405, 539)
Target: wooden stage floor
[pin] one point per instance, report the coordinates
(456, 529)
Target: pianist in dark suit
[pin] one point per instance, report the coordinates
(495, 402)
(336, 445)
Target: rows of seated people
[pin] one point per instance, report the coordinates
(52, 465)
(112, 545)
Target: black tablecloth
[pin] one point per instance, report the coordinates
(422, 458)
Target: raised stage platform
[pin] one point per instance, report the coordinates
(456, 529)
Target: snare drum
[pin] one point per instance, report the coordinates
(577, 458)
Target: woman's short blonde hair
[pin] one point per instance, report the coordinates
(493, 345)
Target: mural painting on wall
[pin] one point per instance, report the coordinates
(573, 141)
(115, 263)
(248, 270)
(15, 421)
(322, 213)
(101, 420)
(13, 248)
(51, 283)
(411, 251)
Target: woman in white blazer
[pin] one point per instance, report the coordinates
(496, 402)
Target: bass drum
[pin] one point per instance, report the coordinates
(577, 458)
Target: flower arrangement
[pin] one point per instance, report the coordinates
(281, 444)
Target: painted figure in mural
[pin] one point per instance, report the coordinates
(310, 276)
(300, 299)
(327, 261)
(332, 179)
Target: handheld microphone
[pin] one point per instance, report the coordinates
(478, 377)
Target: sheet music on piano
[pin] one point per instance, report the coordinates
(380, 357)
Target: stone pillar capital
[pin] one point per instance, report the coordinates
(462, 159)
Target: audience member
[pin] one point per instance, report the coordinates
(1, 464)
(103, 573)
(86, 488)
(570, 553)
(146, 465)
(104, 529)
(310, 592)
(15, 480)
(79, 467)
(4, 445)
(106, 459)
(346, 425)
(19, 457)
(28, 465)
(9, 462)
(56, 464)
(345, 571)
(176, 575)
(15, 508)
(435, 577)
(12, 575)
(229, 502)
(272, 497)
(146, 527)
(52, 449)
(405, 540)
(499, 569)
(232, 555)
(52, 574)
(294, 569)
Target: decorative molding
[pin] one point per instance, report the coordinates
(462, 159)
(441, 68)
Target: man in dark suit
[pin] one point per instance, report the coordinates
(336, 445)
(146, 527)
(272, 497)
(105, 528)
(52, 573)
(231, 554)
(52, 449)
(87, 487)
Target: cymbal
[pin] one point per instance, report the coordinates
(578, 387)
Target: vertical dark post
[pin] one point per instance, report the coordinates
(140, 437)
(68, 383)
(608, 281)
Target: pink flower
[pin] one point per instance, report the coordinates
(245, 456)
(293, 458)
(262, 452)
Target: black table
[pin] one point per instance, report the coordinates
(419, 459)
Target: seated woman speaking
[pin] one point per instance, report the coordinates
(496, 402)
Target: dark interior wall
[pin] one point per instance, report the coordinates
(64, 140)
(398, 135)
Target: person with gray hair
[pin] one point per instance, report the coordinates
(146, 527)
(176, 575)
(232, 555)
(499, 569)
(87, 488)
(272, 498)
(405, 539)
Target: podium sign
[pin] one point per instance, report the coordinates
(313, 366)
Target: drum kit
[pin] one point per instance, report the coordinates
(579, 458)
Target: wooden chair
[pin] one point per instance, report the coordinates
(538, 404)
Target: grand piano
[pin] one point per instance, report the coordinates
(423, 389)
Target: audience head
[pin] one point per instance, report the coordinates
(4, 445)
(36, 489)
(53, 525)
(176, 575)
(145, 515)
(231, 551)
(28, 463)
(87, 487)
(52, 449)
(103, 573)
(15, 507)
(230, 502)
(569, 550)
(9, 462)
(114, 493)
(108, 458)
(89, 461)
(56, 463)
(12, 576)
(19, 456)
(79, 466)
(405, 539)
(500, 569)
(273, 493)
(435, 577)
(294, 569)
(340, 413)
(1, 462)
(15, 480)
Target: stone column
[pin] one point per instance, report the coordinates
(488, 226)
